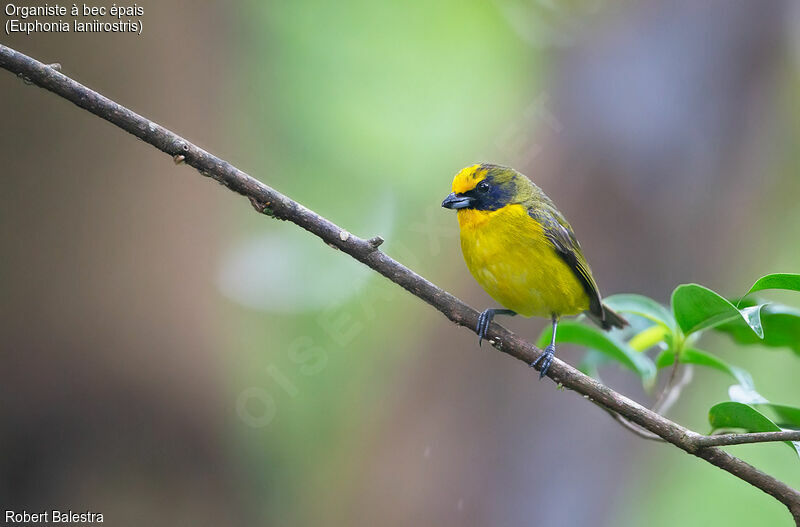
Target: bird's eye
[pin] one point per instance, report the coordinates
(483, 186)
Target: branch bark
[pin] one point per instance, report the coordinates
(271, 202)
(743, 439)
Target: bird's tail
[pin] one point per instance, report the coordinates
(610, 319)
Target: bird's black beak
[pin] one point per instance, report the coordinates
(456, 201)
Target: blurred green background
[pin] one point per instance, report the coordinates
(172, 357)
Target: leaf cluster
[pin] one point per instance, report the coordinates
(662, 337)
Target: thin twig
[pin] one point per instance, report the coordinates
(656, 407)
(634, 428)
(271, 202)
(672, 389)
(743, 439)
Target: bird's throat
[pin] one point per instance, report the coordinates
(472, 219)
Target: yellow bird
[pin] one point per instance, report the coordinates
(522, 251)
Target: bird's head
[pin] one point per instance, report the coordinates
(487, 187)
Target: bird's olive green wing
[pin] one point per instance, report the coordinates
(559, 233)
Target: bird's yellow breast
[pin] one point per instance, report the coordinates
(507, 253)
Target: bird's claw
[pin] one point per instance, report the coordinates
(484, 320)
(546, 359)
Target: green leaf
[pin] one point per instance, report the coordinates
(594, 338)
(642, 306)
(781, 325)
(787, 416)
(665, 358)
(702, 358)
(788, 281)
(648, 338)
(738, 415)
(697, 308)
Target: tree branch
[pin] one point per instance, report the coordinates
(743, 439)
(271, 202)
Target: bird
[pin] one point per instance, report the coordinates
(522, 250)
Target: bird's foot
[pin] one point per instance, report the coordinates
(546, 359)
(484, 320)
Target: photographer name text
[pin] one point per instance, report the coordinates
(52, 516)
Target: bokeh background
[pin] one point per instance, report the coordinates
(170, 357)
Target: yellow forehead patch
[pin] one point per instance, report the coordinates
(467, 178)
